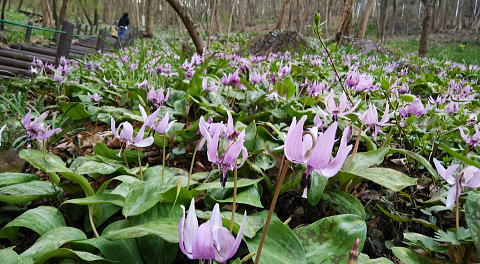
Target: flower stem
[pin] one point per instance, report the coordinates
(140, 164)
(163, 164)
(281, 178)
(234, 204)
(191, 166)
(125, 158)
(457, 201)
(92, 224)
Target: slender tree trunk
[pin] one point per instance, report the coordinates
(54, 13)
(443, 11)
(187, 21)
(4, 4)
(393, 17)
(63, 12)
(46, 12)
(85, 12)
(282, 15)
(149, 28)
(328, 10)
(364, 19)
(422, 50)
(346, 20)
(20, 5)
(382, 20)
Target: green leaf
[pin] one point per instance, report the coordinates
(363, 160)
(265, 161)
(364, 259)
(52, 240)
(472, 217)
(26, 192)
(142, 197)
(102, 150)
(166, 228)
(7, 255)
(45, 162)
(281, 245)
(103, 198)
(70, 254)
(41, 219)
(90, 165)
(424, 242)
(405, 219)
(418, 158)
(330, 239)
(458, 156)
(9, 178)
(386, 177)
(345, 203)
(248, 196)
(75, 111)
(409, 256)
(317, 186)
(242, 182)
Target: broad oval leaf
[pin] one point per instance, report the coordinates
(142, 197)
(90, 165)
(70, 254)
(317, 186)
(102, 198)
(330, 239)
(472, 217)
(281, 245)
(242, 182)
(45, 162)
(9, 178)
(409, 256)
(166, 228)
(41, 219)
(345, 203)
(52, 240)
(386, 177)
(26, 192)
(363, 160)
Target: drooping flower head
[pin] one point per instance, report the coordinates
(150, 121)
(370, 119)
(158, 97)
(36, 129)
(209, 241)
(340, 109)
(124, 133)
(315, 150)
(470, 177)
(95, 98)
(474, 140)
(208, 85)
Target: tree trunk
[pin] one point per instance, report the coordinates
(20, 5)
(328, 9)
(4, 4)
(46, 13)
(364, 19)
(282, 15)
(149, 28)
(382, 20)
(346, 20)
(63, 12)
(187, 21)
(392, 18)
(422, 50)
(54, 13)
(443, 12)
(85, 12)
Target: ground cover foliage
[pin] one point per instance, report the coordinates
(371, 156)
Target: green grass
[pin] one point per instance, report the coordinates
(463, 52)
(16, 34)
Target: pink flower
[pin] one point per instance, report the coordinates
(340, 109)
(209, 241)
(36, 128)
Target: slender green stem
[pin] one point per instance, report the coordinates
(92, 224)
(140, 164)
(164, 155)
(234, 204)
(125, 158)
(191, 166)
(281, 178)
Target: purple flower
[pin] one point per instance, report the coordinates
(37, 62)
(36, 128)
(150, 121)
(207, 87)
(316, 88)
(143, 85)
(452, 108)
(275, 96)
(416, 108)
(438, 101)
(338, 110)
(133, 67)
(124, 133)
(58, 78)
(470, 177)
(63, 61)
(95, 97)
(209, 241)
(365, 84)
(315, 150)
(353, 78)
(370, 118)
(125, 58)
(232, 79)
(256, 77)
(33, 70)
(228, 160)
(284, 71)
(474, 140)
(157, 97)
